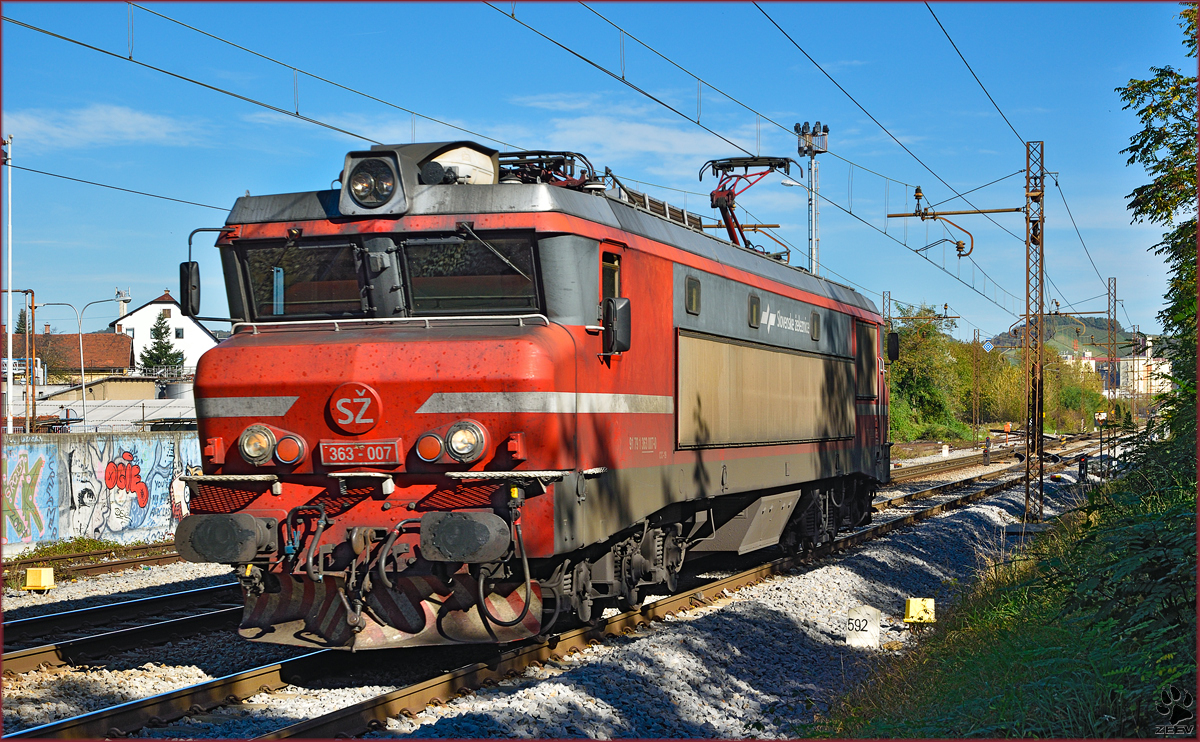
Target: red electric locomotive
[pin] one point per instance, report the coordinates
(470, 392)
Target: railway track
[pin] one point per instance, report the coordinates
(220, 608)
(98, 562)
(493, 665)
(919, 471)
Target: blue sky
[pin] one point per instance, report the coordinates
(1051, 68)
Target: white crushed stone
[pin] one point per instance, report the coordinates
(114, 587)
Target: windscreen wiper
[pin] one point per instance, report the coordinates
(495, 251)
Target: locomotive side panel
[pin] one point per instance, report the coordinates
(735, 394)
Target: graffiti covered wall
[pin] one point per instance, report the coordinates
(120, 487)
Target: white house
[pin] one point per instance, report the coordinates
(187, 334)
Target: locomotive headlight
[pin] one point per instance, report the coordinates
(256, 444)
(372, 182)
(465, 441)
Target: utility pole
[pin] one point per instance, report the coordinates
(813, 142)
(1113, 366)
(975, 363)
(8, 389)
(1035, 253)
(887, 311)
(1134, 371)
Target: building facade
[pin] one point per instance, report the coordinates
(186, 333)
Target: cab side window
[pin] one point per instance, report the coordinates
(610, 276)
(866, 359)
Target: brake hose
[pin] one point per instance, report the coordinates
(386, 551)
(528, 588)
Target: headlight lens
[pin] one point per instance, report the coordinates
(465, 441)
(257, 443)
(289, 449)
(429, 447)
(372, 182)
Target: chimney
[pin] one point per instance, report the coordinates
(47, 328)
(3, 329)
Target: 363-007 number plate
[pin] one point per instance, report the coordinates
(334, 453)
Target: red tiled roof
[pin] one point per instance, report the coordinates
(101, 350)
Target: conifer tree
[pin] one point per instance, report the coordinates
(160, 351)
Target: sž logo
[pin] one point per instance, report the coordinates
(355, 408)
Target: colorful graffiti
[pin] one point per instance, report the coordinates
(30, 502)
(118, 487)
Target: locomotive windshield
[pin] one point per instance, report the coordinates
(440, 275)
(304, 280)
(454, 275)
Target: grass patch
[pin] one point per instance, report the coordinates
(1077, 636)
(45, 554)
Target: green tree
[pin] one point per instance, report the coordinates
(22, 324)
(160, 351)
(926, 388)
(1166, 147)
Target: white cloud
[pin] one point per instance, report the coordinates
(97, 125)
(559, 101)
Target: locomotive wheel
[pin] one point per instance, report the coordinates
(672, 559)
(581, 587)
(792, 538)
(629, 598)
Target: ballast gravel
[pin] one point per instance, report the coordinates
(752, 664)
(114, 587)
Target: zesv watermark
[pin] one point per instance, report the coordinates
(1178, 709)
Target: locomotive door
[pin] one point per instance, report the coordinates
(635, 389)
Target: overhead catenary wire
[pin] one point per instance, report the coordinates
(193, 81)
(617, 77)
(118, 188)
(714, 88)
(981, 85)
(1021, 139)
(880, 124)
(325, 80)
(1079, 234)
(977, 188)
(622, 80)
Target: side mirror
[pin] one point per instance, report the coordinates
(893, 346)
(617, 325)
(189, 288)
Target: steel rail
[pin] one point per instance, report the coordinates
(68, 564)
(907, 473)
(118, 721)
(373, 713)
(22, 630)
(76, 651)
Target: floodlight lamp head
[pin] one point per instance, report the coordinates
(825, 129)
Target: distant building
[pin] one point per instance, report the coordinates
(57, 356)
(187, 334)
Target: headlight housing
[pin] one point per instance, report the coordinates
(256, 444)
(465, 441)
(372, 182)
